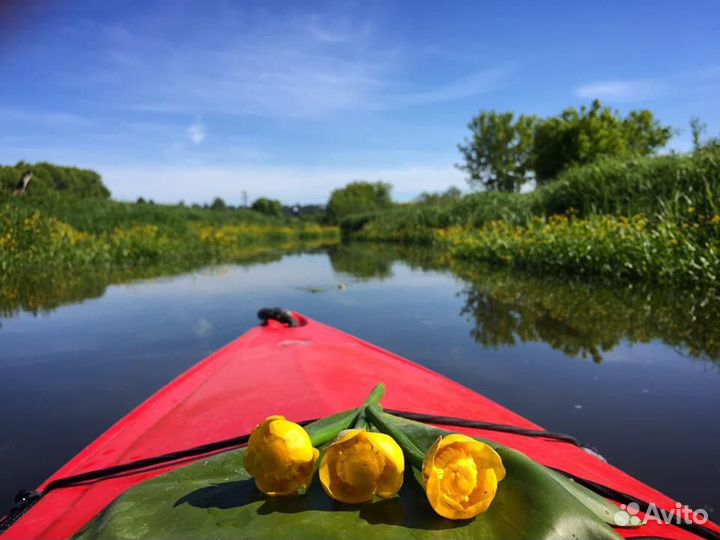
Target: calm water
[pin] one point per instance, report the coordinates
(632, 372)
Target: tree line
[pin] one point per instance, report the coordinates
(503, 152)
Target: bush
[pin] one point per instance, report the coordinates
(356, 198)
(269, 207)
(49, 178)
(416, 221)
(651, 185)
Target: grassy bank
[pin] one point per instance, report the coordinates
(629, 249)
(66, 219)
(30, 238)
(655, 219)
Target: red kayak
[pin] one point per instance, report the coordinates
(230, 392)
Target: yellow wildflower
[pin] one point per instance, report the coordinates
(280, 457)
(360, 464)
(461, 476)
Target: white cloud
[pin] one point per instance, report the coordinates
(297, 67)
(478, 83)
(196, 132)
(50, 118)
(621, 91)
(685, 83)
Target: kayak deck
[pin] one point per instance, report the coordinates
(303, 373)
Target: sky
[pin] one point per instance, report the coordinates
(189, 100)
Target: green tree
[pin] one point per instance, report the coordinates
(697, 129)
(270, 207)
(218, 204)
(581, 136)
(450, 195)
(498, 153)
(356, 197)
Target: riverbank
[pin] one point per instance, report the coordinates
(119, 234)
(651, 219)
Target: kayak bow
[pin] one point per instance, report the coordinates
(214, 406)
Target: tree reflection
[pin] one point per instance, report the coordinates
(584, 319)
(43, 289)
(580, 318)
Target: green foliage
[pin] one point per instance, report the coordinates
(101, 215)
(652, 185)
(269, 207)
(629, 249)
(151, 234)
(697, 129)
(414, 222)
(652, 218)
(449, 195)
(49, 179)
(657, 186)
(218, 204)
(358, 197)
(498, 153)
(578, 137)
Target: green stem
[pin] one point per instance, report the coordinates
(373, 399)
(414, 455)
(375, 396)
(326, 429)
(361, 420)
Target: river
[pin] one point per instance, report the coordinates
(631, 371)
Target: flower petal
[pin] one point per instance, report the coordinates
(391, 479)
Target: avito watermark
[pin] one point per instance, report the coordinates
(628, 515)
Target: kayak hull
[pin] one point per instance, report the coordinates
(303, 373)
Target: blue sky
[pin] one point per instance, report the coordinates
(184, 100)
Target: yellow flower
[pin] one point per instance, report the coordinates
(360, 464)
(281, 457)
(461, 476)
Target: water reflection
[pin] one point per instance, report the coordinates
(588, 320)
(578, 318)
(362, 261)
(44, 289)
(365, 260)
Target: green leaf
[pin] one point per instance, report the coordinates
(216, 498)
(424, 436)
(600, 506)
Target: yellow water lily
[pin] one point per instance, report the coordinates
(281, 457)
(360, 465)
(461, 476)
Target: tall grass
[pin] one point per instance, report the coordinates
(613, 247)
(30, 238)
(656, 185)
(659, 187)
(415, 222)
(95, 215)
